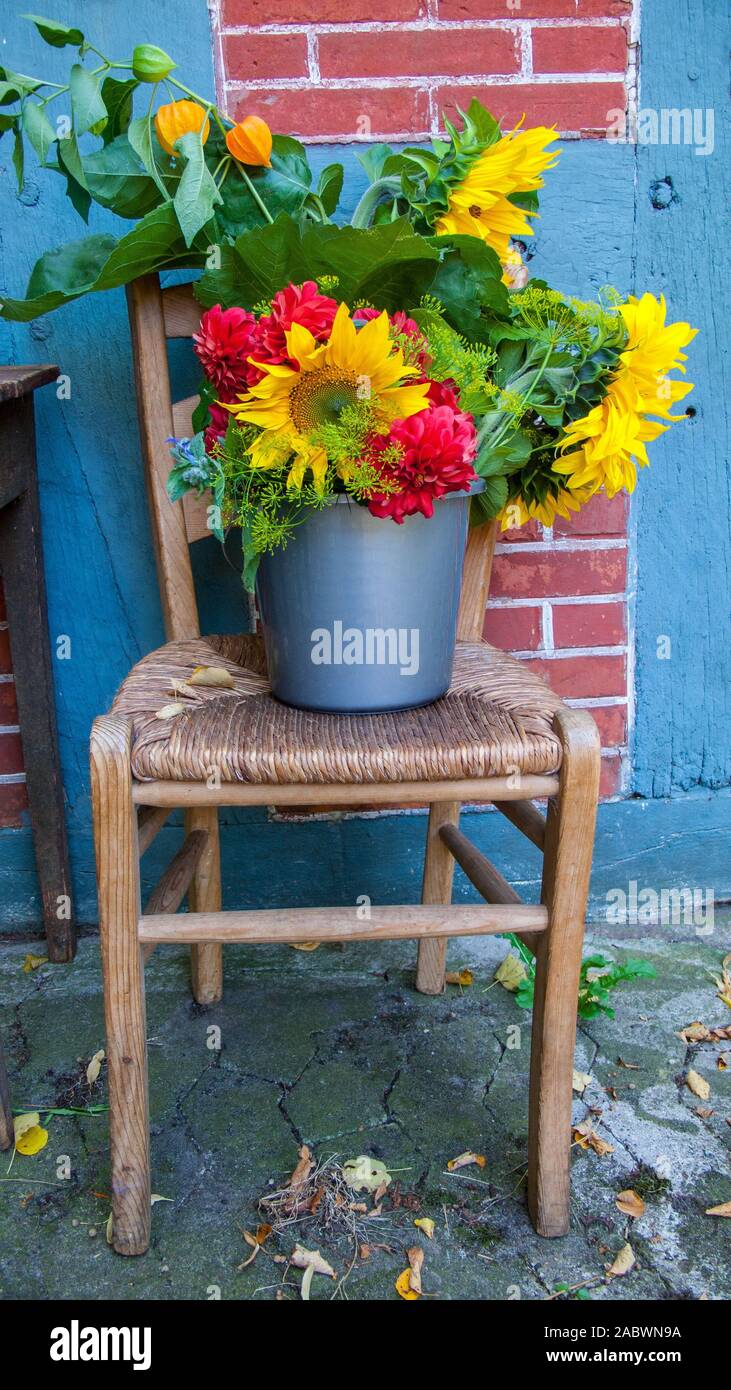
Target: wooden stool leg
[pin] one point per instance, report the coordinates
(7, 1128)
(204, 895)
(118, 878)
(436, 888)
(566, 869)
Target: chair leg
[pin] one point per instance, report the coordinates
(436, 888)
(204, 895)
(566, 869)
(118, 878)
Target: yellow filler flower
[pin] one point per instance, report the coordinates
(602, 448)
(479, 205)
(291, 402)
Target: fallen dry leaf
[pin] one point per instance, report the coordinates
(304, 945)
(415, 1257)
(305, 1259)
(22, 1123)
(703, 1112)
(211, 675)
(403, 1285)
(366, 1174)
(109, 1230)
(465, 1159)
(722, 1061)
(628, 1066)
(459, 977)
(95, 1066)
(364, 1251)
(630, 1203)
(32, 962)
(170, 711)
(723, 1210)
(307, 1278)
(697, 1084)
(623, 1262)
(303, 1168)
(580, 1081)
(511, 973)
(426, 1225)
(587, 1138)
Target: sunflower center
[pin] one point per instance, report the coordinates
(320, 397)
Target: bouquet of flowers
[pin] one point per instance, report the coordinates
(396, 358)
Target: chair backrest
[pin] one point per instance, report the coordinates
(157, 315)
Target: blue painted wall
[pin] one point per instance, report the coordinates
(647, 217)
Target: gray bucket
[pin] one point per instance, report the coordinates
(360, 614)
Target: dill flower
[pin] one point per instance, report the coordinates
(479, 205)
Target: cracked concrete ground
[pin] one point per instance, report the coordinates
(335, 1048)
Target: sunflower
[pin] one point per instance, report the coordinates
(480, 205)
(602, 448)
(293, 401)
(518, 511)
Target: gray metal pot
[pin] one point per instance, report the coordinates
(360, 614)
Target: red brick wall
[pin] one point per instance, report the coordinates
(370, 69)
(373, 69)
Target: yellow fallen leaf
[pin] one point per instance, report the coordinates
(157, 1198)
(307, 1278)
(623, 1262)
(586, 1137)
(22, 1123)
(32, 1141)
(630, 1203)
(303, 1168)
(722, 1061)
(305, 945)
(697, 1084)
(694, 1032)
(95, 1066)
(426, 1225)
(304, 1259)
(211, 675)
(170, 711)
(32, 962)
(459, 977)
(403, 1285)
(415, 1257)
(511, 973)
(465, 1159)
(365, 1173)
(109, 1230)
(580, 1081)
(723, 1210)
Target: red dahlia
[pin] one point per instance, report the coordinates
(295, 304)
(437, 448)
(223, 344)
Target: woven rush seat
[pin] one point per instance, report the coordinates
(495, 720)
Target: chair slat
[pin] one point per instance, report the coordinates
(181, 311)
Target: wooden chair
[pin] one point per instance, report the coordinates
(500, 736)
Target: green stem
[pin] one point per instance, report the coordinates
(371, 198)
(260, 204)
(528, 396)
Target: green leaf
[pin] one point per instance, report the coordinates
(58, 35)
(100, 262)
(70, 159)
(38, 128)
(8, 122)
(373, 159)
(116, 178)
(486, 505)
(86, 100)
(258, 264)
(284, 187)
(197, 194)
(118, 98)
(330, 186)
(468, 279)
(390, 266)
(13, 86)
(18, 159)
(144, 142)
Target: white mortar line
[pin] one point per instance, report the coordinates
(557, 599)
(9, 729)
(425, 25)
(560, 546)
(429, 81)
(11, 779)
(547, 626)
(563, 653)
(595, 701)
